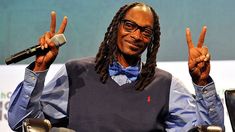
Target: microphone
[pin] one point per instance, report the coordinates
(58, 39)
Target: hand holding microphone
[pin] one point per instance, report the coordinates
(47, 49)
(58, 39)
(44, 60)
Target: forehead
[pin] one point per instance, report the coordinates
(140, 14)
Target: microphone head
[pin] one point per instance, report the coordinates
(59, 39)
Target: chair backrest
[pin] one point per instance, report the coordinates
(36, 125)
(230, 103)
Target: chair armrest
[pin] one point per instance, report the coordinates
(36, 125)
(206, 128)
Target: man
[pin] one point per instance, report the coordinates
(115, 91)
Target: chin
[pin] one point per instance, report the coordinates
(132, 53)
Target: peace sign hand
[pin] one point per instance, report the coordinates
(46, 58)
(198, 58)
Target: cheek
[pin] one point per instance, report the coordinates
(143, 49)
(120, 39)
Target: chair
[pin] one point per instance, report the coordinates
(36, 125)
(42, 125)
(206, 128)
(230, 103)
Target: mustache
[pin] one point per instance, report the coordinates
(136, 43)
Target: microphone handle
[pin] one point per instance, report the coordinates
(58, 39)
(25, 54)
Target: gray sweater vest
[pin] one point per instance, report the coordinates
(97, 107)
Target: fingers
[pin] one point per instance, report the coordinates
(189, 38)
(200, 74)
(195, 72)
(63, 25)
(50, 43)
(202, 37)
(206, 72)
(53, 22)
(205, 53)
(199, 70)
(200, 59)
(41, 41)
(204, 50)
(45, 40)
(208, 57)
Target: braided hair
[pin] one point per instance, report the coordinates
(108, 49)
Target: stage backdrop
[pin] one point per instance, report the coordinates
(23, 21)
(221, 71)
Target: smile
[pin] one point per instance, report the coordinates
(134, 46)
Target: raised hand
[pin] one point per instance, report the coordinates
(198, 58)
(45, 59)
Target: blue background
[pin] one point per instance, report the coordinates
(23, 21)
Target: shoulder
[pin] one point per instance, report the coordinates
(82, 61)
(175, 82)
(80, 64)
(162, 73)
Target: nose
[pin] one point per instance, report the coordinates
(136, 34)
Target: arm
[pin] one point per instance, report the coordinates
(18, 109)
(31, 100)
(209, 101)
(185, 111)
(25, 102)
(199, 69)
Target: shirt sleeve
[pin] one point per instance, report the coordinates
(208, 100)
(187, 111)
(32, 100)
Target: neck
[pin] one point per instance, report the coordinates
(126, 60)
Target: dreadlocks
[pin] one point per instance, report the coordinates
(108, 49)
